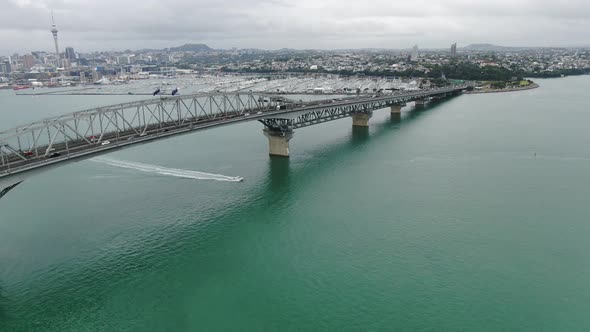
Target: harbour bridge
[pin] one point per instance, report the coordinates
(41, 145)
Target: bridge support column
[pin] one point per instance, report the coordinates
(396, 109)
(420, 102)
(278, 142)
(361, 119)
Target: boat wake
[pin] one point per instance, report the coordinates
(180, 173)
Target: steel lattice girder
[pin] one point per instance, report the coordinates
(209, 105)
(75, 130)
(329, 113)
(278, 124)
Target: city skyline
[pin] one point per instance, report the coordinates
(94, 26)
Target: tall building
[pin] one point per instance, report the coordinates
(29, 61)
(5, 67)
(415, 53)
(54, 32)
(454, 50)
(70, 54)
(123, 60)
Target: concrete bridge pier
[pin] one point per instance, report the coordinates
(361, 119)
(278, 142)
(396, 109)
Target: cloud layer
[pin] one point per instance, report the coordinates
(90, 25)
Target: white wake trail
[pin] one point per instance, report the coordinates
(154, 169)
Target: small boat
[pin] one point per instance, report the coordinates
(103, 81)
(20, 87)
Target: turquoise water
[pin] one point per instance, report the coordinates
(471, 214)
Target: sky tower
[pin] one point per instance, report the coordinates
(54, 32)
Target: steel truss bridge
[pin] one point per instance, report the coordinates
(347, 107)
(27, 149)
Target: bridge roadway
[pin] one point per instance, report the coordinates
(25, 150)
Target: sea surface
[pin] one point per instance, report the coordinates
(470, 214)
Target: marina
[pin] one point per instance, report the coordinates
(189, 84)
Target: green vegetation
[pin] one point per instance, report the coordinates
(472, 72)
(558, 73)
(453, 71)
(498, 85)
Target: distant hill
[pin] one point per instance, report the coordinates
(191, 48)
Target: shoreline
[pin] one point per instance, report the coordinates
(528, 87)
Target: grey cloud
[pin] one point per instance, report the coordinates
(119, 24)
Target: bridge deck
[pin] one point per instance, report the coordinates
(101, 130)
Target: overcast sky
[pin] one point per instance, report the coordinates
(89, 25)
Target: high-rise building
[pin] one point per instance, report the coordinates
(454, 50)
(5, 67)
(123, 60)
(70, 54)
(29, 61)
(54, 32)
(415, 53)
(38, 54)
